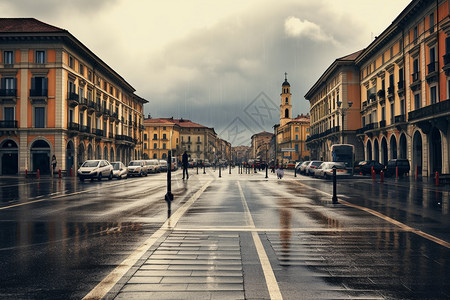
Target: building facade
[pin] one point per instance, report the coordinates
(160, 136)
(290, 133)
(405, 87)
(335, 109)
(179, 135)
(58, 98)
(261, 146)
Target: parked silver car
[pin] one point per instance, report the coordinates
(154, 166)
(325, 170)
(163, 164)
(312, 166)
(95, 169)
(119, 170)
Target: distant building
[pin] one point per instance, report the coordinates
(290, 134)
(335, 109)
(261, 146)
(241, 153)
(58, 98)
(180, 135)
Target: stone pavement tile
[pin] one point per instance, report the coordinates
(206, 267)
(205, 279)
(216, 273)
(147, 279)
(146, 273)
(215, 287)
(164, 295)
(227, 262)
(154, 267)
(154, 287)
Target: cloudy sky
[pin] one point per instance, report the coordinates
(220, 63)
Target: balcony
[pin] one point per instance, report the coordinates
(73, 99)
(73, 126)
(98, 132)
(85, 129)
(90, 107)
(38, 93)
(400, 119)
(83, 104)
(372, 97)
(8, 92)
(382, 124)
(390, 93)
(430, 111)
(8, 124)
(110, 135)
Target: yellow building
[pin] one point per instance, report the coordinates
(290, 134)
(160, 136)
(335, 109)
(261, 145)
(405, 88)
(179, 135)
(58, 98)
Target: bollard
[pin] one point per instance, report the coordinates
(295, 172)
(396, 173)
(59, 173)
(334, 199)
(38, 174)
(220, 171)
(204, 171)
(230, 169)
(267, 170)
(26, 173)
(71, 172)
(197, 168)
(436, 178)
(169, 196)
(373, 174)
(381, 176)
(415, 173)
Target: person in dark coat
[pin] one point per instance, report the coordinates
(184, 163)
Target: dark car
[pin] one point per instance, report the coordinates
(365, 167)
(401, 164)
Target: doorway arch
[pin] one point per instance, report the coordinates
(9, 153)
(105, 153)
(393, 147)
(417, 151)
(436, 151)
(90, 155)
(403, 146)
(70, 151)
(384, 151)
(369, 150)
(40, 157)
(98, 153)
(80, 154)
(376, 150)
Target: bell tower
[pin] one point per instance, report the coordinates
(285, 106)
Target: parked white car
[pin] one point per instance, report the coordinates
(119, 170)
(154, 166)
(137, 168)
(95, 169)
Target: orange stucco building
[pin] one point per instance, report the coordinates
(58, 98)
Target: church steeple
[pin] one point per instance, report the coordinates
(285, 106)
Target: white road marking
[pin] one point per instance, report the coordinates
(109, 281)
(271, 281)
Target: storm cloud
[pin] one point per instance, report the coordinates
(218, 63)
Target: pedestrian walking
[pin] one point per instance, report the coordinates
(184, 163)
(53, 163)
(280, 172)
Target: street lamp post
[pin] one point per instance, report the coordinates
(343, 111)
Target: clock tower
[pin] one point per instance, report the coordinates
(285, 106)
